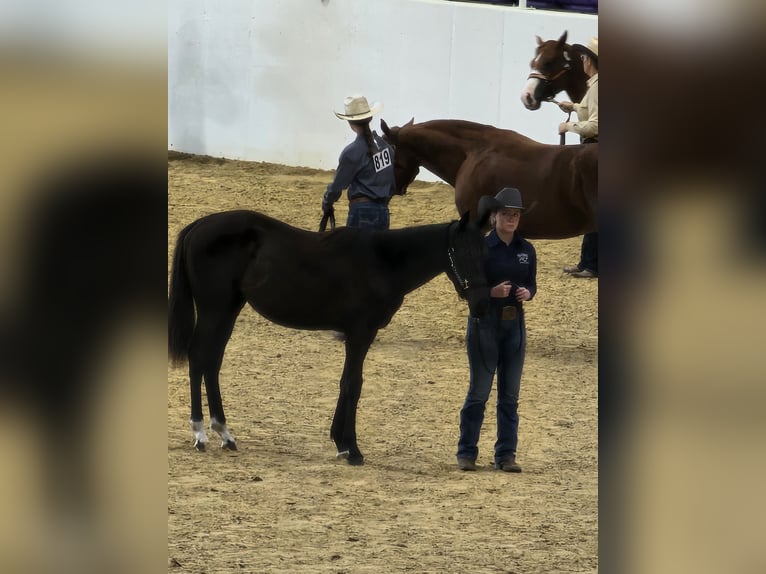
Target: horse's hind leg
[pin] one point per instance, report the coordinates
(211, 335)
(197, 423)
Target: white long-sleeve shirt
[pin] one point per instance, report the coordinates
(587, 112)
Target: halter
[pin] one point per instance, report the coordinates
(548, 79)
(556, 76)
(464, 283)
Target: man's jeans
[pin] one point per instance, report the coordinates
(493, 344)
(589, 252)
(368, 214)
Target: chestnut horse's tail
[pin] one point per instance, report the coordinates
(180, 304)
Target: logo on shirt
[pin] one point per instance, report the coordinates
(523, 258)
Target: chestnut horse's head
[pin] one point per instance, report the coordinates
(553, 69)
(406, 166)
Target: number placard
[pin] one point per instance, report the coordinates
(382, 159)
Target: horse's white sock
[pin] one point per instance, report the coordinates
(198, 430)
(222, 430)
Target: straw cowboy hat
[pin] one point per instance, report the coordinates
(506, 197)
(590, 50)
(357, 108)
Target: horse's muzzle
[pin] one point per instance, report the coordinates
(530, 102)
(478, 301)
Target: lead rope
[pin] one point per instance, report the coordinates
(563, 137)
(465, 284)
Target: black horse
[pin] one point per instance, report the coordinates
(348, 280)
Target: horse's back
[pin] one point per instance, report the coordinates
(287, 274)
(217, 249)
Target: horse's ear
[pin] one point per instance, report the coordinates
(384, 127)
(409, 123)
(563, 38)
(539, 40)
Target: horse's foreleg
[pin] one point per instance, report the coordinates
(343, 430)
(339, 423)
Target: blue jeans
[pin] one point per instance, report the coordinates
(589, 252)
(368, 214)
(493, 345)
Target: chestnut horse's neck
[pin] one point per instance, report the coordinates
(442, 145)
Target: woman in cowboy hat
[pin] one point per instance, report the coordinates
(496, 342)
(587, 126)
(365, 167)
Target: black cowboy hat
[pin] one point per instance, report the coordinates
(506, 197)
(591, 50)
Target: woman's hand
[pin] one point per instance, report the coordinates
(566, 106)
(501, 290)
(523, 294)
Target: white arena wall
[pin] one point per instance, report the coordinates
(258, 80)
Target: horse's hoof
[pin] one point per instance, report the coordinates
(199, 445)
(229, 445)
(356, 460)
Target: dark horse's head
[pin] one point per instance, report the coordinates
(406, 166)
(551, 72)
(467, 252)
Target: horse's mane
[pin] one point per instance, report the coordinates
(463, 130)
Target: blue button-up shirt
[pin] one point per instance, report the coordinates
(516, 262)
(363, 175)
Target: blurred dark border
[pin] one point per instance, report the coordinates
(83, 244)
(683, 216)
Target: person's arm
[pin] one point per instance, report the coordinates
(587, 114)
(531, 282)
(344, 175)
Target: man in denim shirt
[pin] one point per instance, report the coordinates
(365, 167)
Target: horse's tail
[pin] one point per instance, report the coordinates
(180, 304)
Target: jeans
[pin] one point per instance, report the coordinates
(368, 214)
(589, 252)
(493, 345)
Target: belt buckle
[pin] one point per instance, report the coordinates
(508, 313)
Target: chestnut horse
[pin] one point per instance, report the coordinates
(558, 184)
(554, 69)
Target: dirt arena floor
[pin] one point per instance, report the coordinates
(282, 503)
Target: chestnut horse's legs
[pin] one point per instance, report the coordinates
(343, 430)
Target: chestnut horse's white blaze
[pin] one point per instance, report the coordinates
(528, 93)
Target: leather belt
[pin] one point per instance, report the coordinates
(365, 199)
